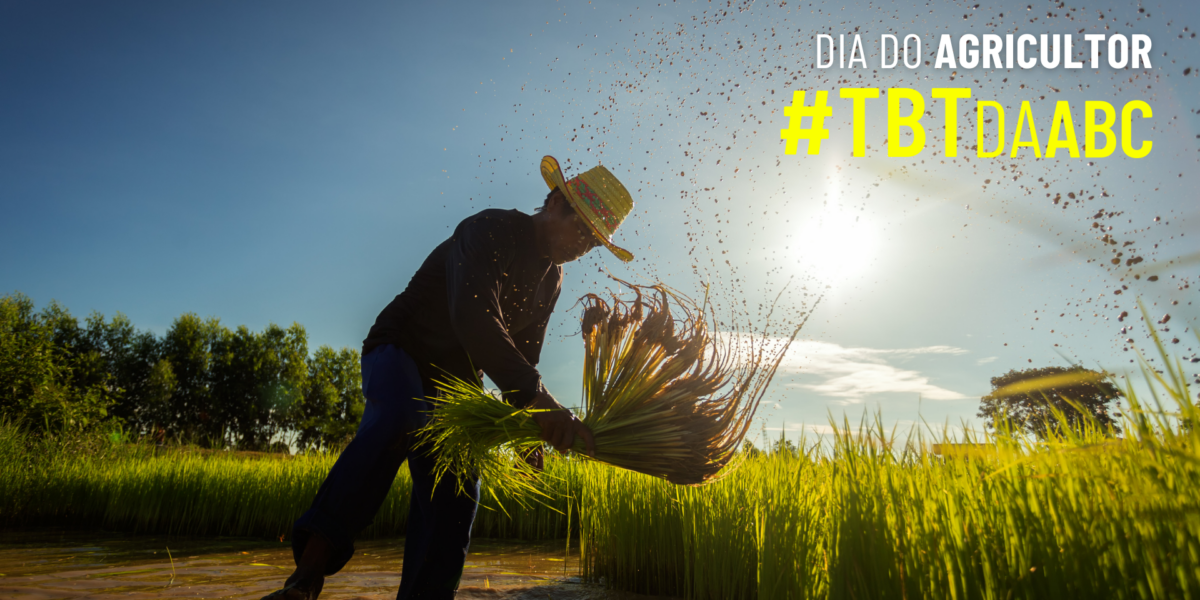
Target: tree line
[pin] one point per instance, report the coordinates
(206, 384)
(200, 382)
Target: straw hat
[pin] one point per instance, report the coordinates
(598, 197)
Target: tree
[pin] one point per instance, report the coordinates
(130, 366)
(784, 445)
(153, 400)
(233, 377)
(49, 380)
(333, 402)
(141, 376)
(257, 384)
(187, 346)
(200, 383)
(1028, 399)
(749, 449)
(282, 374)
(29, 373)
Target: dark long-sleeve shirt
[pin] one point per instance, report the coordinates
(481, 299)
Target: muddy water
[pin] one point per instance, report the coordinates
(52, 565)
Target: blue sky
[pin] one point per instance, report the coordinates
(277, 162)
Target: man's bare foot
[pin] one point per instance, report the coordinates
(300, 589)
(306, 581)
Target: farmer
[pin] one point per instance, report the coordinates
(481, 300)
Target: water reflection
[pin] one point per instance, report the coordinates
(101, 565)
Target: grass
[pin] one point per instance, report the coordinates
(1077, 521)
(87, 482)
(863, 516)
(1083, 516)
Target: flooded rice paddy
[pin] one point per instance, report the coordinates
(71, 564)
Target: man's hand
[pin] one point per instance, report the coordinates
(533, 458)
(559, 426)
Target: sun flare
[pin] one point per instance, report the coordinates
(837, 241)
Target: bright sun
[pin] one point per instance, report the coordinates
(836, 241)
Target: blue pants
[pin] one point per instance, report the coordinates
(439, 518)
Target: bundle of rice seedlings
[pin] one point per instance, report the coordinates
(662, 395)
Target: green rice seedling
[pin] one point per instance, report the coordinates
(142, 489)
(1077, 519)
(660, 395)
(1083, 515)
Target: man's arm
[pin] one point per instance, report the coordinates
(559, 425)
(483, 249)
(475, 268)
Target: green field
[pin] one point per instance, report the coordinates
(863, 516)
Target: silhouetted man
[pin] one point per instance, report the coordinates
(481, 300)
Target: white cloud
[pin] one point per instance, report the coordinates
(984, 361)
(852, 374)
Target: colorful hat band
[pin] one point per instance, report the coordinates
(584, 191)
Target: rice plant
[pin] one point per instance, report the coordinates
(140, 488)
(1084, 515)
(661, 396)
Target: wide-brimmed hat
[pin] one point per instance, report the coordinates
(598, 197)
